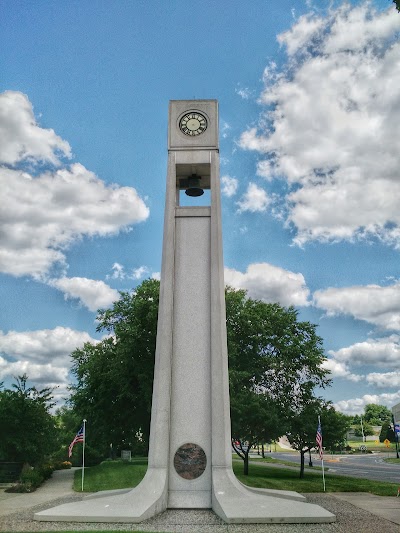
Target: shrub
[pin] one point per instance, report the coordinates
(31, 478)
(46, 470)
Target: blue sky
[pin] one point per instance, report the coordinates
(309, 114)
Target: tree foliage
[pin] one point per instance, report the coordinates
(387, 432)
(28, 429)
(114, 378)
(275, 364)
(376, 414)
(304, 423)
(363, 430)
(397, 4)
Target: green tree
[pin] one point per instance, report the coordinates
(386, 432)
(255, 418)
(304, 423)
(364, 430)
(275, 363)
(28, 430)
(397, 4)
(376, 414)
(115, 376)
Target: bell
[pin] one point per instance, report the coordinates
(194, 188)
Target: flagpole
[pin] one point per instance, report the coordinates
(322, 456)
(83, 451)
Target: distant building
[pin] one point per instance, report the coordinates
(396, 412)
(352, 436)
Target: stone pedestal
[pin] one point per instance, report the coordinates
(190, 457)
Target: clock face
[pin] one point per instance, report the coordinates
(193, 123)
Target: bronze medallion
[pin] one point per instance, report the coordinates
(190, 461)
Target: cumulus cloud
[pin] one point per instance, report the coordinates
(42, 346)
(385, 380)
(229, 186)
(44, 355)
(91, 293)
(21, 138)
(331, 115)
(254, 200)
(270, 283)
(356, 406)
(43, 214)
(378, 305)
(384, 352)
(340, 370)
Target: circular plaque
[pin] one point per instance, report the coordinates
(190, 461)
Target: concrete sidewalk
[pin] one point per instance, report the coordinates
(58, 486)
(386, 507)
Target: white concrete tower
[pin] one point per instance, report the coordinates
(190, 458)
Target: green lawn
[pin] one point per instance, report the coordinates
(111, 475)
(269, 477)
(117, 475)
(280, 462)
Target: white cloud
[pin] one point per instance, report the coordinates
(340, 370)
(305, 28)
(379, 305)
(43, 346)
(244, 92)
(44, 355)
(270, 283)
(93, 294)
(43, 214)
(139, 272)
(384, 380)
(331, 117)
(118, 272)
(384, 352)
(254, 200)
(21, 138)
(356, 405)
(229, 185)
(45, 373)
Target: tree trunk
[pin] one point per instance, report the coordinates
(246, 463)
(302, 453)
(310, 463)
(262, 451)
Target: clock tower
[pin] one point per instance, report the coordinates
(190, 456)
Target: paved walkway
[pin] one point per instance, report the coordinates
(60, 486)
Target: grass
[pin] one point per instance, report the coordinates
(283, 462)
(111, 475)
(287, 479)
(373, 445)
(117, 475)
(392, 460)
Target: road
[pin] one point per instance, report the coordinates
(366, 466)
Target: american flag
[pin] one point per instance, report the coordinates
(318, 439)
(79, 437)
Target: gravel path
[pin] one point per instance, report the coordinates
(350, 519)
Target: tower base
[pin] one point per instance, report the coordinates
(231, 500)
